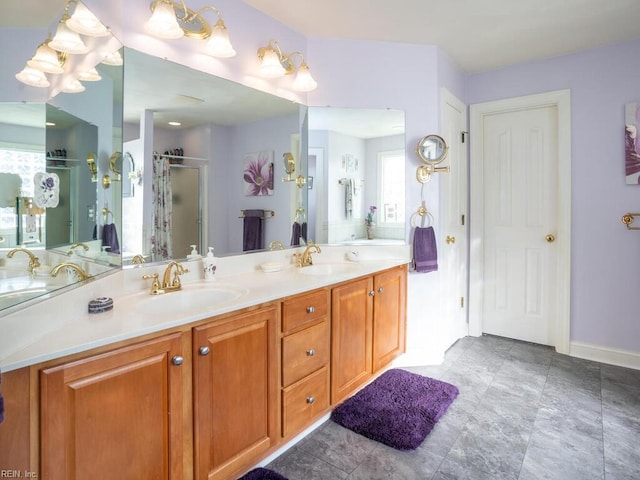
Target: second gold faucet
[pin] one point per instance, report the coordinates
(167, 285)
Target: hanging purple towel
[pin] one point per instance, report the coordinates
(253, 238)
(110, 238)
(425, 252)
(296, 233)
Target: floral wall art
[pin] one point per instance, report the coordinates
(258, 173)
(632, 143)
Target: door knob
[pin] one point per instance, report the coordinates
(204, 351)
(550, 238)
(450, 239)
(177, 360)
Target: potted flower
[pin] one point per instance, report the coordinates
(368, 221)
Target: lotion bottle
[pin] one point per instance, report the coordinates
(194, 253)
(209, 265)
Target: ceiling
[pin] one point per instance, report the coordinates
(478, 35)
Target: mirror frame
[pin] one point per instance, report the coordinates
(425, 146)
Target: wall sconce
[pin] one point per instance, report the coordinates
(172, 20)
(93, 168)
(51, 55)
(274, 63)
(290, 168)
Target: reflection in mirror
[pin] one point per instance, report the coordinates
(203, 151)
(432, 149)
(357, 163)
(50, 209)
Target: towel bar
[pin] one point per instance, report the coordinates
(271, 214)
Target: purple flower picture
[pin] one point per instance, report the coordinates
(258, 173)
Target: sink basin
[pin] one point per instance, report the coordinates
(189, 299)
(329, 268)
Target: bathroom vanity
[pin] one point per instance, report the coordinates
(199, 390)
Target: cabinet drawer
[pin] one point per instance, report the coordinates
(304, 309)
(302, 402)
(304, 352)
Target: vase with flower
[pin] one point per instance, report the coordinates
(368, 221)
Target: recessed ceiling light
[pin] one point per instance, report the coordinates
(175, 124)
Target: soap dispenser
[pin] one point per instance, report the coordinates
(209, 265)
(194, 255)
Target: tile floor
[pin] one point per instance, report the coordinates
(524, 412)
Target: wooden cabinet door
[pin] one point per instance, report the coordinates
(115, 415)
(351, 322)
(235, 392)
(389, 307)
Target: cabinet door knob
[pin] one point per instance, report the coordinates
(372, 293)
(177, 360)
(311, 352)
(204, 351)
(311, 309)
(310, 400)
(380, 289)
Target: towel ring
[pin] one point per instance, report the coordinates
(421, 212)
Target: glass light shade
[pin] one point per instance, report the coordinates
(46, 60)
(73, 86)
(33, 77)
(218, 44)
(271, 66)
(114, 59)
(91, 75)
(84, 22)
(304, 82)
(66, 40)
(163, 22)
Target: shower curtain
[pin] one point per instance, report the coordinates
(161, 248)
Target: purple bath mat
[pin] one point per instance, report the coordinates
(262, 474)
(399, 408)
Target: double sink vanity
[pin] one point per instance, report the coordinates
(201, 381)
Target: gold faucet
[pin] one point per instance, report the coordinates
(84, 246)
(34, 262)
(77, 268)
(138, 260)
(167, 285)
(304, 259)
(276, 244)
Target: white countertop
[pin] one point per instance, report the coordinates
(61, 326)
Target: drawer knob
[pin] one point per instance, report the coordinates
(204, 351)
(177, 360)
(310, 400)
(311, 352)
(311, 309)
(380, 290)
(372, 293)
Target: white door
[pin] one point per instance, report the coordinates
(452, 241)
(521, 238)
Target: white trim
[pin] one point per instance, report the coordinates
(562, 100)
(610, 356)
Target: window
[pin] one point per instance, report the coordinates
(391, 184)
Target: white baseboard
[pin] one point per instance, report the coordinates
(611, 356)
(419, 357)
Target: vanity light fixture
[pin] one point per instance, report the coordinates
(274, 63)
(73, 86)
(47, 60)
(31, 76)
(83, 21)
(172, 20)
(66, 40)
(113, 59)
(90, 75)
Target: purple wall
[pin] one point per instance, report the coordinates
(605, 298)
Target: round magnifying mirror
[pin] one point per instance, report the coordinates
(432, 149)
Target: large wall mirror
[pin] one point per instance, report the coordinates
(50, 198)
(357, 172)
(206, 155)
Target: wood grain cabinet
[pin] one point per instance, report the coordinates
(368, 317)
(235, 392)
(305, 360)
(117, 414)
